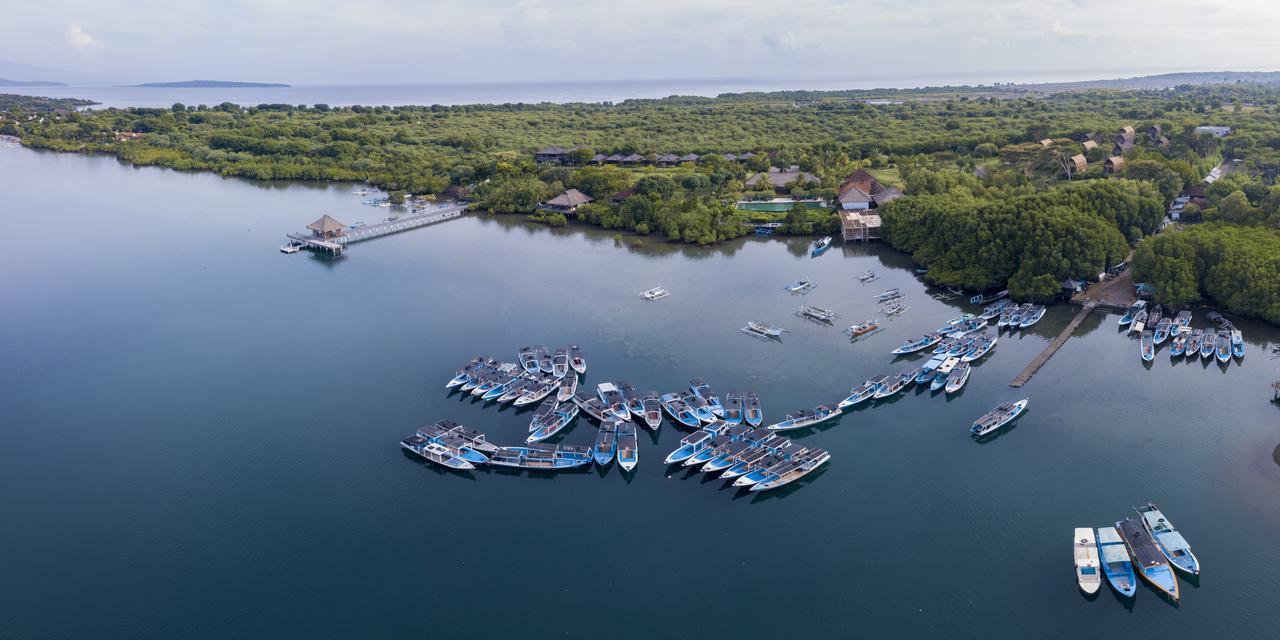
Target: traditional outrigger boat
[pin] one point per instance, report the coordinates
(805, 418)
(868, 276)
(656, 293)
(1147, 559)
(889, 294)
(984, 299)
(763, 330)
(801, 286)
(862, 393)
(818, 314)
(862, 330)
(1088, 574)
(998, 417)
(1116, 564)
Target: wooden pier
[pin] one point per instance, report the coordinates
(331, 236)
(1053, 346)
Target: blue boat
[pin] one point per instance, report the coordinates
(998, 417)
(1175, 548)
(689, 445)
(943, 373)
(919, 344)
(805, 418)
(862, 393)
(698, 405)
(893, 385)
(701, 389)
(540, 456)
(927, 370)
(1133, 310)
(1147, 347)
(746, 462)
(752, 412)
(820, 245)
(1222, 346)
(1237, 343)
(678, 410)
(1147, 559)
(733, 407)
(955, 323)
(793, 470)
(1116, 564)
(606, 444)
(1206, 345)
(632, 398)
(628, 446)
(1178, 344)
(727, 456)
(1162, 330)
(554, 422)
(1031, 317)
(434, 452)
(713, 448)
(461, 442)
(612, 398)
(981, 346)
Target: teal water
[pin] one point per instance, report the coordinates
(202, 438)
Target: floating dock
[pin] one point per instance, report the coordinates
(331, 236)
(1053, 347)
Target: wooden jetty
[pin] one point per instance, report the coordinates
(329, 235)
(1054, 345)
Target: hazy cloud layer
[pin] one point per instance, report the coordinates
(348, 41)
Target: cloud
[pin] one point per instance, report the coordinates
(79, 39)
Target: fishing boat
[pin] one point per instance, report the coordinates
(1222, 346)
(926, 371)
(542, 456)
(651, 409)
(1147, 346)
(802, 286)
(805, 418)
(1183, 318)
(1217, 320)
(1088, 574)
(635, 403)
(703, 390)
(468, 372)
(689, 445)
(862, 330)
(1237, 343)
(763, 330)
(606, 444)
(946, 345)
(791, 471)
(893, 385)
(984, 299)
(468, 438)
(504, 381)
(716, 444)
(1171, 543)
(1116, 564)
(1017, 315)
(889, 294)
(699, 406)
(733, 407)
(1006, 315)
(817, 314)
(1162, 331)
(591, 405)
(895, 309)
(628, 446)
(1032, 316)
(992, 312)
(919, 344)
(1132, 311)
(1139, 321)
(612, 398)
(1178, 342)
(943, 373)
(1207, 344)
(560, 363)
(862, 392)
(434, 452)
(749, 460)
(1147, 559)
(568, 387)
(539, 415)
(554, 422)
(576, 361)
(537, 392)
(545, 362)
(516, 388)
(528, 361)
(1192, 348)
(679, 411)
(954, 323)
(958, 376)
(868, 276)
(751, 411)
(982, 345)
(998, 417)
(727, 456)
(820, 245)
(1154, 315)
(656, 293)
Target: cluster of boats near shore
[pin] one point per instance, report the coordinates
(1154, 327)
(1146, 546)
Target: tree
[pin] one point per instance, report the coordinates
(660, 187)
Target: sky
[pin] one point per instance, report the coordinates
(428, 41)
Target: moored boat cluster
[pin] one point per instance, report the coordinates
(1146, 546)
(1223, 342)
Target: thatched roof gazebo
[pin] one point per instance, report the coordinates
(326, 227)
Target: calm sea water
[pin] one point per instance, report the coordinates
(202, 438)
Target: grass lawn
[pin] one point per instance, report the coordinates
(888, 176)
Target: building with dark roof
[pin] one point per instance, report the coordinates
(567, 202)
(780, 179)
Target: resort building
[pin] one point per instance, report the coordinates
(782, 180)
(859, 226)
(1121, 146)
(326, 228)
(552, 154)
(1047, 142)
(860, 190)
(1114, 164)
(1089, 145)
(1079, 163)
(567, 202)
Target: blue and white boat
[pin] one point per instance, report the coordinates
(942, 373)
(591, 405)
(528, 361)
(820, 245)
(554, 423)
(801, 286)
(542, 413)
(1237, 343)
(628, 446)
(541, 456)
(919, 344)
(927, 370)
(1147, 347)
(612, 398)
(540, 353)
(701, 389)
(717, 443)
(1222, 346)
(993, 311)
(805, 418)
(1171, 543)
(1115, 562)
(468, 444)
(982, 345)
(538, 391)
(862, 393)
(727, 456)
(957, 377)
(1193, 343)
(793, 470)
(1129, 314)
(998, 417)
(1147, 559)
(651, 404)
(1162, 330)
(560, 363)
(1178, 342)
(954, 323)
(751, 411)
(746, 462)
(1032, 316)
(435, 452)
(1088, 565)
(733, 407)
(1206, 345)
(606, 444)
(689, 445)
(468, 373)
(577, 361)
(893, 385)
(635, 403)
(678, 410)
(699, 406)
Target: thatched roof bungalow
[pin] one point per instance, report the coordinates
(567, 202)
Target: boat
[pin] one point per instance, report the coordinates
(982, 345)
(628, 446)
(1222, 346)
(893, 385)
(699, 406)
(817, 314)
(537, 392)
(895, 309)
(435, 452)
(748, 461)
(496, 382)
(793, 470)
(568, 387)
(802, 286)
(1018, 314)
(679, 411)
(560, 364)
(478, 376)
(635, 404)
(1170, 543)
(819, 246)
(954, 323)
(751, 411)
(701, 389)
(546, 408)
(591, 405)
(946, 345)
(927, 370)
(862, 393)
(1116, 564)
(651, 409)
(1183, 318)
(1032, 316)
(1206, 345)
(468, 373)
(998, 417)
(1237, 343)
(727, 456)
(1139, 321)
(805, 418)
(1147, 347)
(1217, 320)
(543, 456)
(1178, 343)
(1088, 574)
(528, 360)
(689, 445)
(919, 344)
(1147, 559)
(1193, 343)
(504, 381)
(554, 422)
(576, 361)
(1162, 331)
(1006, 315)
(612, 398)
(705, 454)
(656, 293)
(984, 299)
(606, 444)
(862, 330)
(545, 363)
(291, 247)
(1132, 311)
(1154, 315)
(991, 312)
(868, 276)
(889, 294)
(958, 376)
(763, 330)
(733, 407)
(516, 388)
(943, 373)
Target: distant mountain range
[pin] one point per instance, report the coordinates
(30, 83)
(211, 84)
(1165, 80)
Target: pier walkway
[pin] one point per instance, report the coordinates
(1053, 346)
(335, 243)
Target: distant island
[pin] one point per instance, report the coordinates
(211, 84)
(30, 83)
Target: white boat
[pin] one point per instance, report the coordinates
(957, 377)
(1088, 568)
(656, 293)
(290, 248)
(763, 329)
